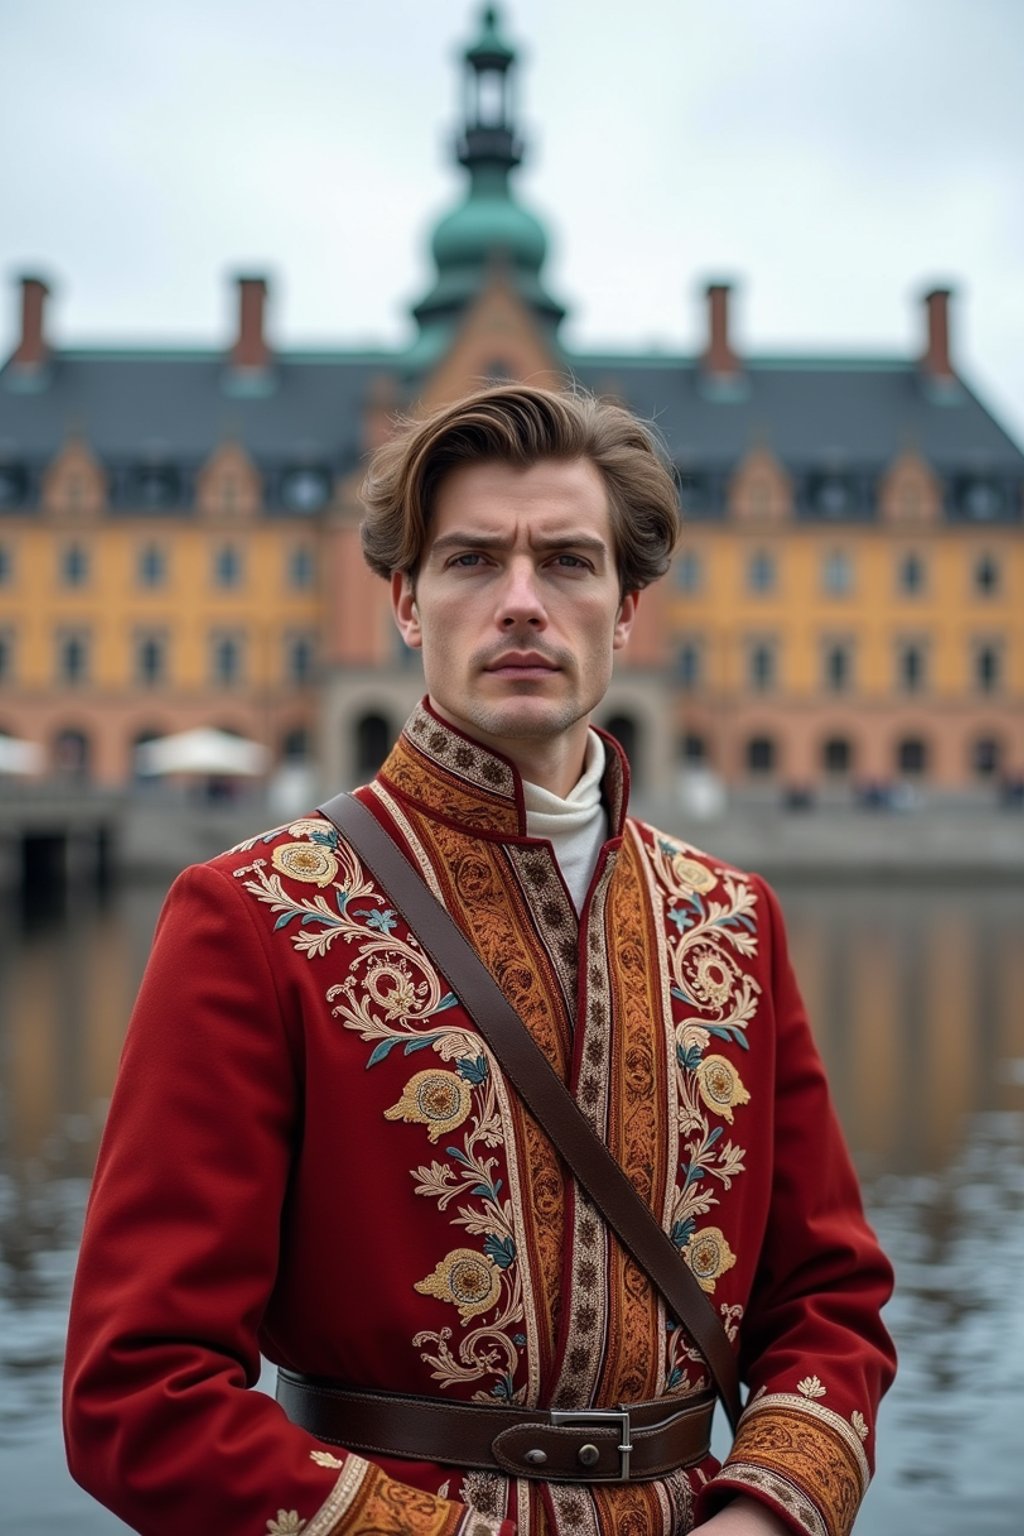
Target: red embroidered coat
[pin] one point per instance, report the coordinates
(310, 1153)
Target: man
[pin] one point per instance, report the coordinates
(312, 1152)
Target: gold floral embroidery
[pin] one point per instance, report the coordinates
(721, 1086)
(467, 1280)
(709, 1256)
(811, 1387)
(309, 862)
(859, 1423)
(437, 1099)
(325, 1459)
(711, 931)
(696, 876)
(286, 1524)
(311, 826)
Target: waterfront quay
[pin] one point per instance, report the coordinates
(52, 835)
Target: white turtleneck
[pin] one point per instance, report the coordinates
(577, 826)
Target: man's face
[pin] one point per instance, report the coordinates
(516, 606)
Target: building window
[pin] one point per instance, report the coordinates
(13, 486)
(695, 750)
(832, 496)
(306, 490)
(300, 567)
(837, 755)
(151, 660)
(72, 658)
(837, 573)
(986, 757)
(152, 566)
(980, 501)
(838, 666)
(910, 573)
(227, 566)
(299, 659)
(761, 666)
(987, 668)
(226, 660)
(295, 745)
(761, 754)
(74, 565)
(986, 575)
(910, 667)
(153, 487)
(761, 571)
(912, 756)
(688, 664)
(6, 656)
(6, 565)
(689, 571)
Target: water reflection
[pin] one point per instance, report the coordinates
(916, 997)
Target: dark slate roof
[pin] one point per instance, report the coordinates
(179, 406)
(176, 406)
(832, 412)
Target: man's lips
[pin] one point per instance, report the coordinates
(521, 664)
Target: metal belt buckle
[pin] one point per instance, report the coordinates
(600, 1418)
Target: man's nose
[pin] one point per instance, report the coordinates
(520, 601)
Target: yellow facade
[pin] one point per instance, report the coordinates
(949, 616)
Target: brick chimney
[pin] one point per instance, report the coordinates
(32, 351)
(718, 359)
(250, 351)
(936, 360)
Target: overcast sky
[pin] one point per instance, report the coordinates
(833, 157)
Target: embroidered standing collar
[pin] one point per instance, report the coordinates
(451, 775)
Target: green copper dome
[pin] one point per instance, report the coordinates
(489, 224)
(489, 231)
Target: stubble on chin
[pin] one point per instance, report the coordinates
(522, 719)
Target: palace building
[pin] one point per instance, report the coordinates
(179, 530)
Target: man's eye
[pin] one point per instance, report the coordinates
(571, 562)
(466, 561)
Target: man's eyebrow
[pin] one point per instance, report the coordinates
(459, 539)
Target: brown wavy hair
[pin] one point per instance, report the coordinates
(520, 425)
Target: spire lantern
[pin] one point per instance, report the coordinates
(489, 231)
(488, 133)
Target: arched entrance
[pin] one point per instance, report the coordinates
(373, 742)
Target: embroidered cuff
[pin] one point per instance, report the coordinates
(365, 1499)
(800, 1458)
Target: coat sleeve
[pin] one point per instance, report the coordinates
(179, 1256)
(812, 1345)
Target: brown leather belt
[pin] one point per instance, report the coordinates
(631, 1443)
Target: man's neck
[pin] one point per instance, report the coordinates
(554, 763)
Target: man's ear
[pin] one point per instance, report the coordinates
(624, 622)
(403, 606)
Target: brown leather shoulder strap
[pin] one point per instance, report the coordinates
(550, 1103)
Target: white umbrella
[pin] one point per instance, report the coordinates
(202, 751)
(20, 756)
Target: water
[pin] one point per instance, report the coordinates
(918, 1001)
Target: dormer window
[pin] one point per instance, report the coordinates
(306, 489)
(154, 487)
(980, 500)
(831, 496)
(13, 486)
